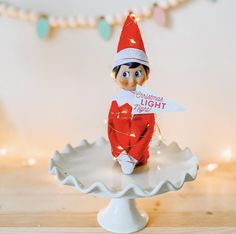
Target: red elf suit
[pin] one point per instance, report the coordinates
(130, 133)
(127, 132)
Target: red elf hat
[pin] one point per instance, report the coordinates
(130, 47)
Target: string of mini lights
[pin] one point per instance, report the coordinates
(45, 22)
(131, 134)
(73, 21)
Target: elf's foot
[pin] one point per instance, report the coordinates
(127, 163)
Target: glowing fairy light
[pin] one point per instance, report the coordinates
(114, 158)
(3, 151)
(132, 135)
(227, 154)
(212, 166)
(160, 137)
(124, 112)
(132, 15)
(132, 41)
(31, 161)
(158, 152)
(105, 121)
(120, 147)
(136, 19)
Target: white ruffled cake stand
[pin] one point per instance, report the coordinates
(90, 168)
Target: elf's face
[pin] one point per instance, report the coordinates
(128, 78)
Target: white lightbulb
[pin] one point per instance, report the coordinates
(212, 166)
(119, 18)
(227, 154)
(62, 22)
(92, 22)
(110, 19)
(53, 21)
(82, 21)
(31, 161)
(12, 11)
(3, 151)
(146, 11)
(163, 4)
(173, 2)
(3, 8)
(71, 21)
(23, 14)
(33, 16)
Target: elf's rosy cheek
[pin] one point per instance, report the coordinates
(141, 81)
(123, 82)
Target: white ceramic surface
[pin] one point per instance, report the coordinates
(91, 169)
(122, 216)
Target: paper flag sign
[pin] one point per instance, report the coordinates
(146, 102)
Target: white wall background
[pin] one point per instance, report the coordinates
(57, 91)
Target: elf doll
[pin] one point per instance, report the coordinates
(129, 134)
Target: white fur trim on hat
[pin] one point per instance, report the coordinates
(130, 55)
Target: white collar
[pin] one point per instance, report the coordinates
(124, 96)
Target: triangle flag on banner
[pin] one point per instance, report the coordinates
(145, 102)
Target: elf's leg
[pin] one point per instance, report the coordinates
(144, 158)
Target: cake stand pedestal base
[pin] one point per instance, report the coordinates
(91, 170)
(122, 216)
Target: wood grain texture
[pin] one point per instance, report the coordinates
(148, 230)
(31, 201)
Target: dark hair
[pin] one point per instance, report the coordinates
(130, 65)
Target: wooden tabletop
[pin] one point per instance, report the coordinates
(32, 201)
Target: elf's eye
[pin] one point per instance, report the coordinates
(126, 74)
(138, 73)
